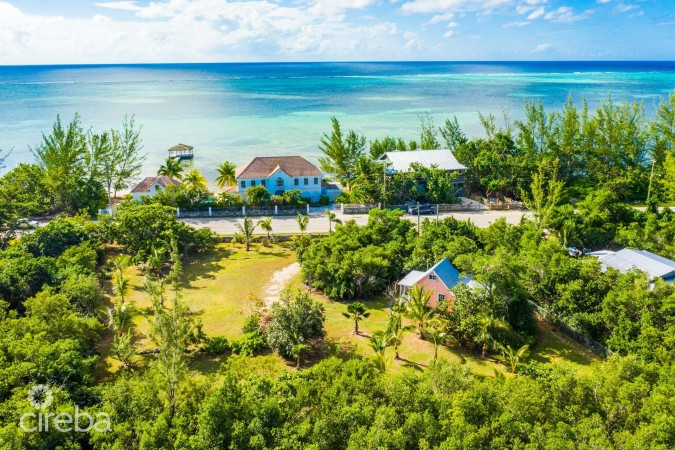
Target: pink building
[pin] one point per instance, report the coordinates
(441, 278)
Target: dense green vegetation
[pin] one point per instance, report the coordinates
(617, 147)
(55, 316)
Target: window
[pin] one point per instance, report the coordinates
(262, 182)
(243, 183)
(432, 277)
(280, 181)
(316, 181)
(296, 181)
(441, 297)
(157, 188)
(252, 183)
(306, 181)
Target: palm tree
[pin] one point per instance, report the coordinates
(357, 312)
(171, 168)
(266, 225)
(487, 324)
(303, 221)
(436, 331)
(416, 308)
(246, 230)
(225, 174)
(195, 179)
(514, 356)
(332, 218)
(123, 350)
(121, 262)
(121, 286)
(379, 342)
(396, 329)
(119, 317)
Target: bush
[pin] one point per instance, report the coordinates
(216, 345)
(295, 318)
(250, 344)
(54, 239)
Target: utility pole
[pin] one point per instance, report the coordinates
(649, 190)
(384, 183)
(418, 218)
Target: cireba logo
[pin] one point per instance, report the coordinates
(40, 397)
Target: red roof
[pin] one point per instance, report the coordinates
(264, 166)
(145, 185)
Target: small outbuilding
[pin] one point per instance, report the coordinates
(441, 278)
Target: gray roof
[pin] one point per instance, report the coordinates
(413, 277)
(624, 260)
(441, 159)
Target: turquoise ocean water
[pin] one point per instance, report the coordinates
(237, 111)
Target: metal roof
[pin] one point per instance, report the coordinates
(441, 159)
(624, 260)
(444, 269)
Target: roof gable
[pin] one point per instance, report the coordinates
(147, 183)
(265, 166)
(444, 270)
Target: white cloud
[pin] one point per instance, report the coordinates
(124, 6)
(542, 48)
(433, 6)
(197, 30)
(536, 14)
(625, 8)
(566, 14)
(516, 24)
(450, 33)
(441, 18)
(535, 2)
(604, 1)
(452, 24)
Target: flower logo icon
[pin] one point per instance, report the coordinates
(40, 396)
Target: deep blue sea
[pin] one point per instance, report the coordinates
(236, 111)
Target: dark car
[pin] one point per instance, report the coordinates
(423, 209)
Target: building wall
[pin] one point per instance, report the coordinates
(311, 190)
(156, 187)
(438, 287)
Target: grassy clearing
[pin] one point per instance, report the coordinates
(216, 288)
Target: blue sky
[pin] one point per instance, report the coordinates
(79, 31)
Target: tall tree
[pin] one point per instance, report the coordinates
(225, 172)
(341, 153)
(452, 134)
(547, 191)
(428, 139)
(127, 157)
(171, 168)
(488, 324)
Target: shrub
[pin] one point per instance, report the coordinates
(295, 318)
(216, 345)
(250, 344)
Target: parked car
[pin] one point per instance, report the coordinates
(422, 209)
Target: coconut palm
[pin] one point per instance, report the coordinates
(436, 332)
(266, 225)
(396, 330)
(246, 229)
(225, 176)
(515, 356)
(487, 325)
(121, 262)
(357, 312)
(303, 221)
(332, 218)
(195, 179)
(122, 349)
(379, 342)
(171, 168)
(416, 307)
(119, 318)
(121, 286)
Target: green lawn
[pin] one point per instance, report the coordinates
(217, 287)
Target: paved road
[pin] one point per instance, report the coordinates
(318, 223)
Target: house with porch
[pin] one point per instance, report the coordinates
(279, 174)
(402, 161)
(441, 278)
(151, 186)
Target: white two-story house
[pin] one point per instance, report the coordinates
(279, 174)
